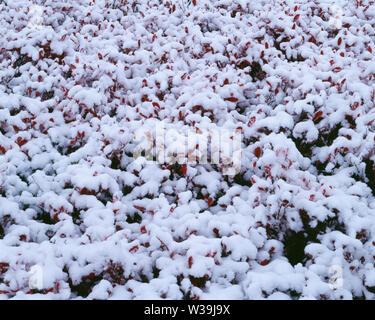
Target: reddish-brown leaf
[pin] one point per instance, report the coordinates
(231, 99)
(264, 262)
(257, 152)
(139, 208)
(318, 115)
(190, 261)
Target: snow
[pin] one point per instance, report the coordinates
(83, 85)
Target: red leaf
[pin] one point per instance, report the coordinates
(4, 266)
(135, 248)
(318, 115)
(257, 152)
(354, 105)
(312, 39)
(209, 202)
(296, 17)
(369, 49)
(190, 262)
(264, 262)
(139, 208)
(143, 229)
(21, 141)
(184, 169)
(339, 41)
(231, 99)
(251, 121)
(194, 2)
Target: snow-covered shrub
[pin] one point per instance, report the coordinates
(77, 85)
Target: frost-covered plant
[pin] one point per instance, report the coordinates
(98, 224)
